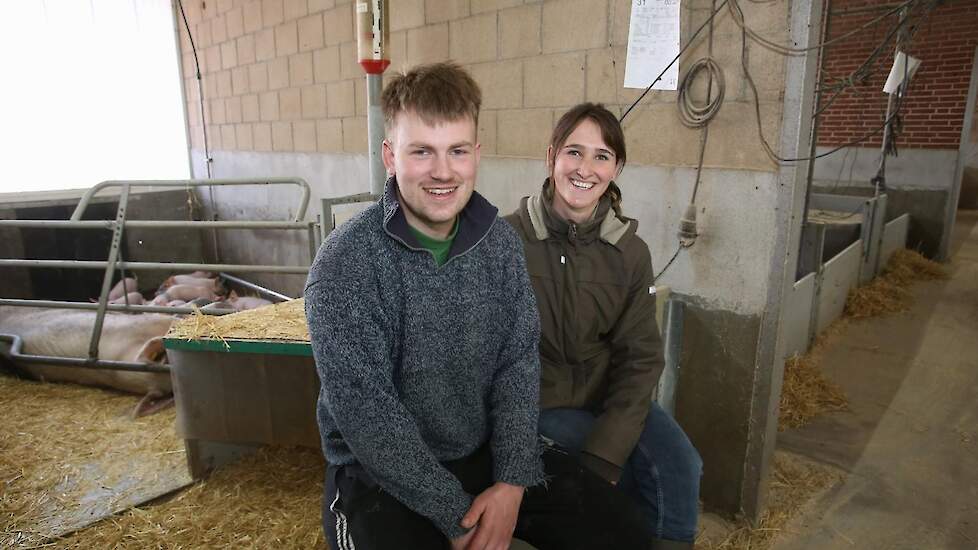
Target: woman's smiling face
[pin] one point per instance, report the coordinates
(582, 169)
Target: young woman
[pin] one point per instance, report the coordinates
(600, 350)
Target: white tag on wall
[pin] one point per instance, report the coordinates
(900, 70)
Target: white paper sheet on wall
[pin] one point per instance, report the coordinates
(900, 70)
(653, 41)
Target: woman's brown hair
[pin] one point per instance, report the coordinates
(611, 133)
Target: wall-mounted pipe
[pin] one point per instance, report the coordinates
(373, 35)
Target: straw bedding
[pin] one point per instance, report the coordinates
(806, 392)
(889, 292)
(70, 452)
(51, 435)
(283, 321)
(795, 482)
(267, 500)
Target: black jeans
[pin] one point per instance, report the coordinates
(574, 510)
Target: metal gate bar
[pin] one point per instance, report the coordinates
(101, 264)
(110, 307)
(16, 343)
(300, 211)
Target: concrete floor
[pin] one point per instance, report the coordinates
(909, 445)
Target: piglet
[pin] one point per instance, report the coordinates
(189, 292)
(214, 285)
(125, 285)
(241, 303)
(134, 299)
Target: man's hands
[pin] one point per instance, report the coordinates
(493, 516)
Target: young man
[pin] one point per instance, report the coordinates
(424, 330)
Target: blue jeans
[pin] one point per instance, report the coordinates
(662, 474)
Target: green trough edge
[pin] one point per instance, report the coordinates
(274, 347)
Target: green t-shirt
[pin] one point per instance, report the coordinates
(439, 248)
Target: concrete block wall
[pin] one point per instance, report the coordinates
(282, 75)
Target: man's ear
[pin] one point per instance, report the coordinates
(387, 153)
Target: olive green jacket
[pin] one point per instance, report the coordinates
(600, 348)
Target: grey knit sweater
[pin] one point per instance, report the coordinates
(421, 364)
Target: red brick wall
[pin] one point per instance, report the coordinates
(933, 110)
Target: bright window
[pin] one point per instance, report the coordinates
(90, 92)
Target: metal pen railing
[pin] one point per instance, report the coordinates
(114, 262)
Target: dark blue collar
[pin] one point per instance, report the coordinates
(474, 223)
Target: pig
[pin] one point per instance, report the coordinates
(241, 303)
(124, 286)
(66, 333)
(214, 285)
(176, 303)
(134, 299)
(248, 302)
(188, 293)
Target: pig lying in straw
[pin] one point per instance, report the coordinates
(66, 333)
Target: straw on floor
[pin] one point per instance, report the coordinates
(69, 454)
(806, 393)
(794, 482)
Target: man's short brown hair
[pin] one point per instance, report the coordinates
(438, 92)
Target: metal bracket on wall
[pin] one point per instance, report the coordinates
(328, 223)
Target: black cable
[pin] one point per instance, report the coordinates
(757, 107)
(669, 263)
(691, 114)
(860, 74)
(869, 68)
(738, 16)
(695, 116)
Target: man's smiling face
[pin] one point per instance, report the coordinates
(436, 166)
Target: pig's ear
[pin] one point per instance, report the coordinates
(152, 403)
(152, 351)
